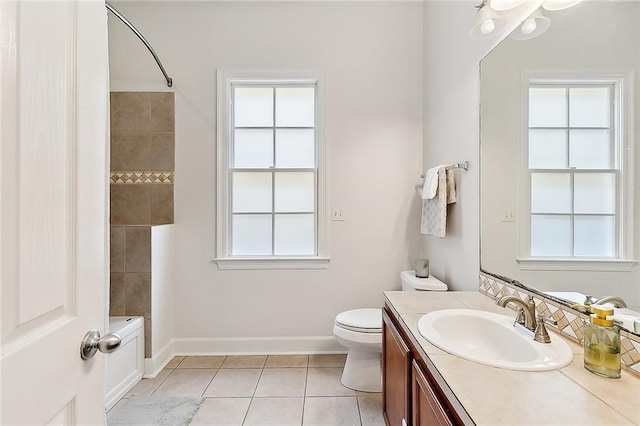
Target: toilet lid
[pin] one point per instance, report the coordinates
(367, 320)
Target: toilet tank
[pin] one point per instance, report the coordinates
(412, 283)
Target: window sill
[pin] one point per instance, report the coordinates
(572, 264)
(273, 263)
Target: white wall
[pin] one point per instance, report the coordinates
(163, 283)
(571, 44)
(451, 135)
(451, 128)
(371, 54)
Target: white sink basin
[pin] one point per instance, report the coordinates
(490, 338)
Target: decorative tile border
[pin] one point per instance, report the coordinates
(142, 177)
(570, 322)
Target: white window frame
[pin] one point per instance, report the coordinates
(625, 210)
(224, 259)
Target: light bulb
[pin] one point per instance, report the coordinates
(487, 26)
(528, 26)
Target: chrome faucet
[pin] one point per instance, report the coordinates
(614, 300)
(526, 311)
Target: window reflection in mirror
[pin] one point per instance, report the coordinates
(560, 161)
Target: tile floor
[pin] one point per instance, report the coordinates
(265, 390)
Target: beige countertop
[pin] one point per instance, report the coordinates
(492, 396)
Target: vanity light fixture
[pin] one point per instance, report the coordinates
(501, 5)
(490, 20)
(559, 4)
(535, 25)
(487, 23)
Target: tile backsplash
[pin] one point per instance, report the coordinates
(570, 321)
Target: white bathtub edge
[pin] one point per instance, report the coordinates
(121, 390)
(132, 333)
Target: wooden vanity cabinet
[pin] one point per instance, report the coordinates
(411, 395)
(396, 375)
(426, 407)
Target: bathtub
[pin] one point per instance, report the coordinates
(125, 366)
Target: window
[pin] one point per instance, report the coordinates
(577, 183)
(270, 172)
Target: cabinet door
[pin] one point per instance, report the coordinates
(427, 410)
(396, 375)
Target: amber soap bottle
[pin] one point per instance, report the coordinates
(602, 343)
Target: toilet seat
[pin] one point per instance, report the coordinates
(358, 338)
(366, 320)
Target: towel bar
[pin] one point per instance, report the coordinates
(464, 165)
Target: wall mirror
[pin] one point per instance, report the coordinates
(560, 155)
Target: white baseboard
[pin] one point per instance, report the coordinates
(153, 366)
(240, 346)
(258, 345)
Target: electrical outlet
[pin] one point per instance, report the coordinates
(508, 216)
(337, 214)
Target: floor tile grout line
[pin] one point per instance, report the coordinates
(246, 413)
(153, 392)
(224, 357)
(358, 407)
(304, 393)
(209, 384)
(257, 384)
(181, 361)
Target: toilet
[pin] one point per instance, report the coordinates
(360, 330)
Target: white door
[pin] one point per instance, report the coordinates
(53, 209)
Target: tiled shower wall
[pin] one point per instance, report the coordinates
(142, 158)
(142, 176)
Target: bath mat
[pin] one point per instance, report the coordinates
(155, 411)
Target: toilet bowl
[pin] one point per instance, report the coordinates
(360, 330)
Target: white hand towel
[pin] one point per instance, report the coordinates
(430, 188)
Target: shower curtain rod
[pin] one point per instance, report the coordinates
(142, 39)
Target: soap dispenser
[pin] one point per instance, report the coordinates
(602, 343)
